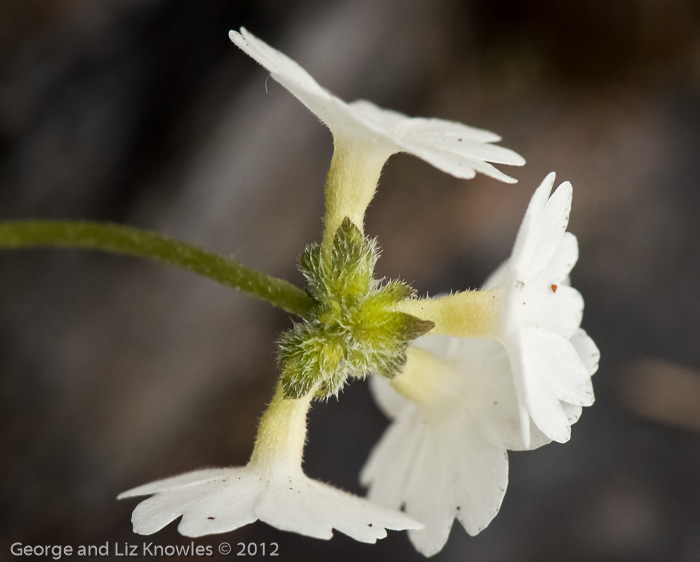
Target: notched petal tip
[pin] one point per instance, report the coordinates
(544, 190)
(240, 39)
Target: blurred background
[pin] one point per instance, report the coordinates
(115, 372)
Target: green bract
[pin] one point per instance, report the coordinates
(352, 329)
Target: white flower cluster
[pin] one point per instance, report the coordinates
(444, 455)
(513, 375)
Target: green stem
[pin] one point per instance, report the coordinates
(142, 243)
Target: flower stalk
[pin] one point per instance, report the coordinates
(132, 241)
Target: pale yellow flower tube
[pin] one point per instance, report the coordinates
(469, 314)
(352, 181)
(282, 431)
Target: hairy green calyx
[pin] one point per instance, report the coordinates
(352, 329)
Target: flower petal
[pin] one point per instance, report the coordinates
(391, 461)
(208, 505)
(463, 167)
(224, 505)
(563, 260)
(469, 148)
(452, 147)
(293, 506)
(573, 413)
(559, 309)
(544, 225)
(547, 414)
(176, 482)
(429, 131)
(587, 350)
(390, 402)
(429, 492)
(457, 474)
(481, 478)
(280, 495)
(554, 360)
(304, 506)
(279, 64)
(498, 278)
(154, 513)
(357, 517)
(431, 127)
(552, 370)
(290, 74)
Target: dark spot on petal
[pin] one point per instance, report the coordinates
(210, 517)
(369, 524)
(459, 140)
(554, 288)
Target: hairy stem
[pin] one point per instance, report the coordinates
(142, 243)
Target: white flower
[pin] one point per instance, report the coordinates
(452, 147)
(365, 136)
(459, 409)
(551, 357)
(444, 455)
(219, 500)
(271, 487)
(529, 306)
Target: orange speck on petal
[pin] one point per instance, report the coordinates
(554, 288)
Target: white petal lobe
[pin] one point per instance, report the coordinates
(222, 500)
(449, 146)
